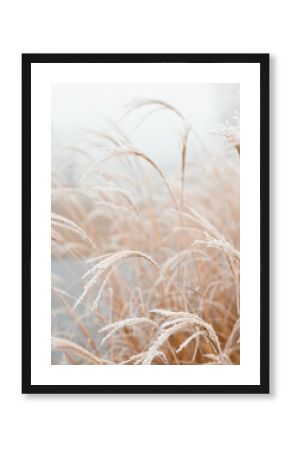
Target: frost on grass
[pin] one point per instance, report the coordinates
(157, 257)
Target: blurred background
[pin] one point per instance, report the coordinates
(79, 107)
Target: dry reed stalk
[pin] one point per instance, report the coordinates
(140, 103)
(176, 321)
(63, 222)
(137, 154)
(66, 345)
(61, 296)
(113, 327)
(183, 160)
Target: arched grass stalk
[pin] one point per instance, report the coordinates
(176, 322)
(78, 350)
(137, 154)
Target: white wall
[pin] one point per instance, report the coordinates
(79, 422)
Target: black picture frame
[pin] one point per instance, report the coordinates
(27, 61)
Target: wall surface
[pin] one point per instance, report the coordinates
(208, 422)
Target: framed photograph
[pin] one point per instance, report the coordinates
(145, 223)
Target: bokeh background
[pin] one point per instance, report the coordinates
(79, 107)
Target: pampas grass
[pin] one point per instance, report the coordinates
(157, 257)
